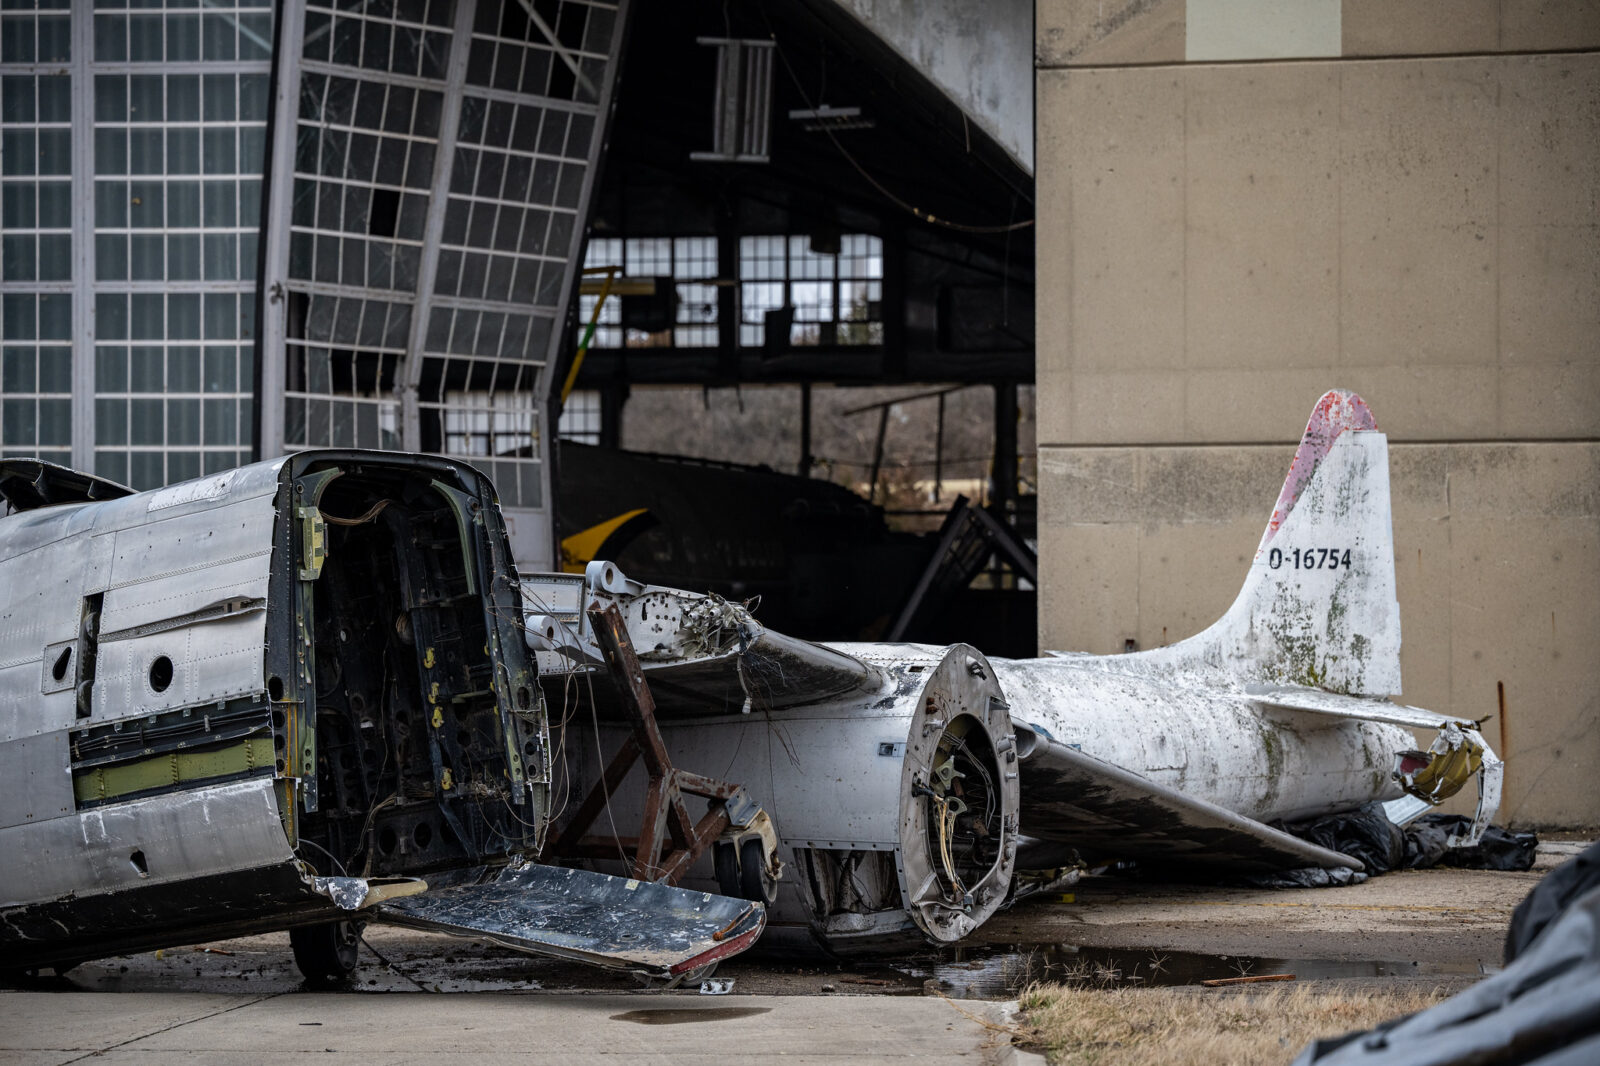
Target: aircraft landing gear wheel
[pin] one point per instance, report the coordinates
(754, 881)
(742, 871)
(725, 860)
(326, 954)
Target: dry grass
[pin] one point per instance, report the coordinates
(1081, 1026)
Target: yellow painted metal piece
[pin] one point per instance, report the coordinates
(174, 768)
(380, 889)
(579, 549)
(619, 286)
(313, 543)
(1446, 772)
(445, 780)
(428, 659)
(588, 333)
(438, 717)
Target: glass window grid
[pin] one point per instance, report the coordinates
(174, 376)
(36, 375)
(488, 423)
(685, 260)
(581, 417)
(370, 110)
(511, 54)
(364, 167)
(408, 39)
(35, 177)
(173, 33)
(40, 34)
(499, 429)
(177, 196)
(35, 231)
(346, 398)
(513, 201)
(516, 182)
(835, 298)
(179, 97)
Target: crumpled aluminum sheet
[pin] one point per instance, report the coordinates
(347, 893)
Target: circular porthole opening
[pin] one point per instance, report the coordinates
(161, 673)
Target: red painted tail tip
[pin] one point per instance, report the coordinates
(1337, 411)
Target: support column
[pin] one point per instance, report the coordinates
(83, 331)
(1003, 488)
(727, 297)
(806, 457)
(613, 397)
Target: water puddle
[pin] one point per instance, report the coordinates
(680, 1015)
(1002, 974)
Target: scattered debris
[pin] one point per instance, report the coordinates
(1248, 979)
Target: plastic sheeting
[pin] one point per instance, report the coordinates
(1543, 1008)
(1552, 896)
(1368, 835)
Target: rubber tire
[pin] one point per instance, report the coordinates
(725, 860)
(754, 884)
(327, 955)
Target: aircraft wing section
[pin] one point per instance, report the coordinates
(1315, 701)
(1104, 810)
(701, 653)
(614, 922)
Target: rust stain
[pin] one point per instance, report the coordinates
(1500, 687)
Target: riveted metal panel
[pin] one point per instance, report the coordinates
(38, 782)
(197, 833)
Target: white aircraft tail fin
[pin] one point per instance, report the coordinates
(1318, 607)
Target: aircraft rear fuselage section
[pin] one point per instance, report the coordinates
(314, 665)
(1207, 740)
(858, 786)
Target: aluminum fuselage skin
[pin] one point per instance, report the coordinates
(171, 613)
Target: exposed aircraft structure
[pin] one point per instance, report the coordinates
(909, 784)
(296, 694)
(313, 692)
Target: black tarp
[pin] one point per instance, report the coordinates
(1368, 835)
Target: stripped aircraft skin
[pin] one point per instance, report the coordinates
(1176, 757)
(293, 695)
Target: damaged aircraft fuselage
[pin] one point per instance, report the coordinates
(316, 689)
(911, 784)
(275, 697)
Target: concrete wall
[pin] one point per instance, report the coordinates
(1243, 203)
(976, 53)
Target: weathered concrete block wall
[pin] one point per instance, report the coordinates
(1243, 203)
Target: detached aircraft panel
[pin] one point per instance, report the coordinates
(611, 922)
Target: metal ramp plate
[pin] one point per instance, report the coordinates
(614, 922)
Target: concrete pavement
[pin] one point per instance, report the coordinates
(53, 1029)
